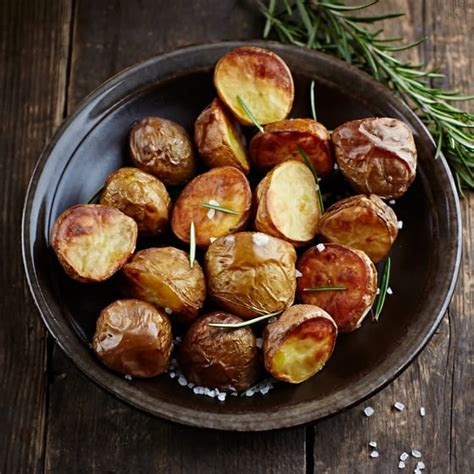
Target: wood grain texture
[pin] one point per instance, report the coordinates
(33, 56)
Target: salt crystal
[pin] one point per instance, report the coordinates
(374, 454)
(172, 375)
(182, 381)
(420, 465)
(389, 291)
(212, 239)
(196, 390)
(320, 247)
(404, 456)
(401, 465)
(417, 471)
(190, 385)
(168, 311)
(400, 224)
(250, 392)
(392, 201)
(211, 213)
(373, 444)
(336, 166)
(234, 394)
(415, 453)
(221, 396)
(178, 339)
(265, 390)
(422, 411)
(378, 291)
(399, 406)
(259, 342)
(369, 411)
(213, 202)
(128, 377)
(298, 274)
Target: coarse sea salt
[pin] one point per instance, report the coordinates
(415, 453)
(212, 239)
(368, 411)
(420, 465)
(404, 456)
(392, 201)
(374, 454)
(168, 311)
(400, 224)
(221, 396)
(320, 247)
(399, 406)
(298, 274)
(401, 465)
(422, 411)
(378, 291)
(128, 377)
(373, 444)
(389, 291)
(182, 381)
(211, 213)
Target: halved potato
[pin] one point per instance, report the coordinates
(338, 266)
(163, 148)
(92, 242)
(251, 273)
(219, 358)
(134, 338)
(218, 138)
(260, 78)
(280, 141)
(376, 155)
(287, 203)
(141, 196)
(226, 187)
(362, 222)
(299, 343)
(164, 278)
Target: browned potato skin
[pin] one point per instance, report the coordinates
(280, 141)
(226, 185)
(140, 196)
(144, 338)
(84, 221)
(362, 222)
(338, 265)
(251, 273)
(164, 278)
(211, 131)
(299, 322)
(261, 78)
(162, 148)
(376, 155)
(219, 358)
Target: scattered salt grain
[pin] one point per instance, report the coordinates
(378, 291)
(128, 377)
(415, 453)
(298, 274)
(336, 166)
(211, 213)
(420, 465)
(182, 381)
(417, 471)
(272, 320)
(259, 342)
(190, 385)
(422, 411)
(221, 396)
(234, 394)
(320, 247)
(250, 392)
(389, 291)
(392, 201)
(178, 339)
(400, 224)
(172, 375)
(404, 456)
(374, 454)
(369, 411)
(212, 239)
(265, 389)
(373, 444)
(260, 238)
(168, 311)
(401, 465)
(398, 405)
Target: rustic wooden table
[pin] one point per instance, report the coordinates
(53, 419)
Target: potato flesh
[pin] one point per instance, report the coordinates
(235, 144)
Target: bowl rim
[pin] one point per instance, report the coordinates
(295, 415)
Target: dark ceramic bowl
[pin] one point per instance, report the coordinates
(93, 142)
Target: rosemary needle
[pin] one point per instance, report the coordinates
(251, 116)
(219, 208)
(313, 107)
(192, 244)
(245, 323)
(326, 288)
(95, 195)
(383, 289)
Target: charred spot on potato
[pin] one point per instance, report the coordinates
(338, 266)
(261, 78)
(92, 242)
(134, 338)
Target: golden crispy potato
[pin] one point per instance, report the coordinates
(226, 359)
(140, 196)
(362, 222)
(376, 155)
(162, 148)
(251, 273)
(260, 78)
(163, 277)
(134, 338)
(338, 266)
(287, 203)
(299, 343)
(218, 138)
(92, 242)
(226, 187)
(280, 141)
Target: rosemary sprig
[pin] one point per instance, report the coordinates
(95, 195)
(244, 324)
(219, 208)
(192, 244)
(311, 97)
(383, 289)
(329, 26)
(311, 167)
(251, 116)
(326, 288)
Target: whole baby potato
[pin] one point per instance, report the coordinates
(140, 196)
(251, 273)
(219, 139)
(164, 278)
(162, 148)
(376, 155)
(299, 343)
(280, 142)
(92, 242)
(134, 338)
(212, 357)
(361, 222)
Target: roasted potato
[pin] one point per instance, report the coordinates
(280, 141)
(299, 343)
(287, 203)
(92, 242)
(163, 277)
(338, 266)
(376, 155)
(251, 273)
(260, 78)
(162, 148)
(226, 359)
(218, 138)
(141, 196)
(362, 222)
(226, 187)
(134, 338)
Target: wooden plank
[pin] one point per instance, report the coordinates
(439, 379)
(88, 429)
(33, 56)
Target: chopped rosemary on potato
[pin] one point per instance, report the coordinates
(249, 113)
(192, 244)
(245, 323)
(326, 288)
(311, 167)
(313, 107)
(383, 289)
(219, 208)
(95, 195)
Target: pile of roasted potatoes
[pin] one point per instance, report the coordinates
(261, 247)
